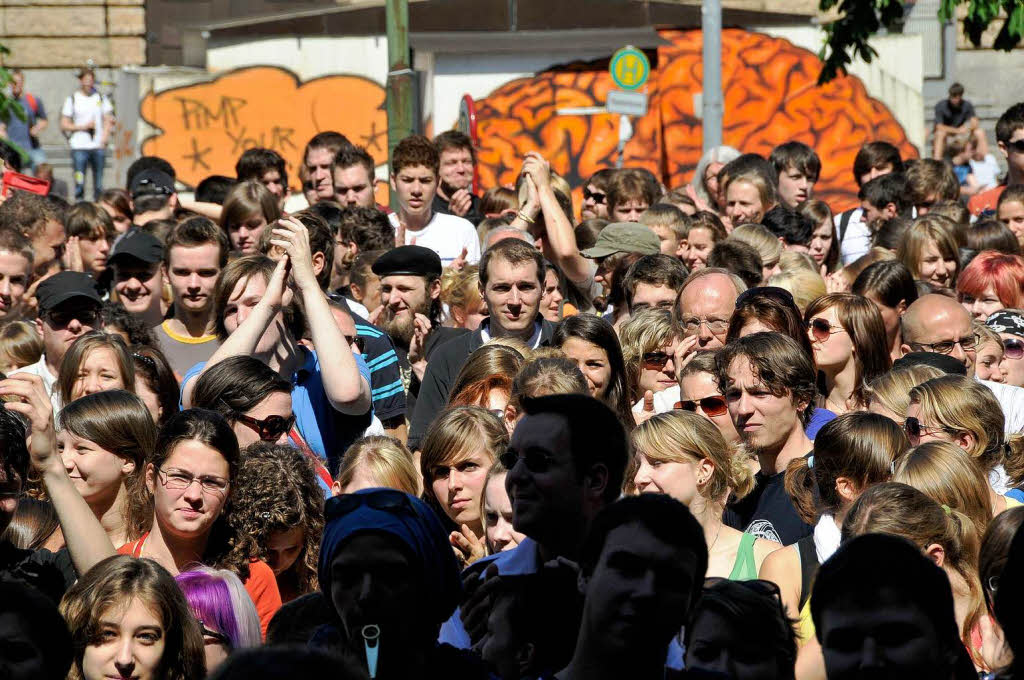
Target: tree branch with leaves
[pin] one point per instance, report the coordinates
(847, 37)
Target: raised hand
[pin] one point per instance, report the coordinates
(468, 548)
(459, 262)
(31, 401)
(72, 257)
(648, 408)
(461, 202)
(293, 237)
(417, 345)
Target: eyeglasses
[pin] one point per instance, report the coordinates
(358, 341)
(1017, 145)
(596, 196)
(655, 361)
(968, 344)
(179, 480)
(388, 500)
(60, 319)
(716, 326)
(535, 460)
(1013, 349)
(822, 330)
(914, 429)
(270, 428)
(712, 406)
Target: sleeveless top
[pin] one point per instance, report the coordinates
(745, 567)
(808, 569)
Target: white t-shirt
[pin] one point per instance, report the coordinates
(857, 240)
(83, 109)
(1011, 399)
(49, 382)
(446, 235)
(986, 172)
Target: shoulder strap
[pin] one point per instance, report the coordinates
(808, 566)
(32, 103)
(844, 222)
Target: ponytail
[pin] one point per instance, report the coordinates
(741, 477)
(962, 551)
(800, 484)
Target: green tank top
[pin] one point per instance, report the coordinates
(745, 568)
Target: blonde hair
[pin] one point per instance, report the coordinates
(791, 259)
(460, 288)
(646, 331)
(454, 435)
(669, 216)
(985, 334)
(804, 285)
(388, 461)
(760, 239)
(546, 375)
(937, 228)
(679, 436)
(892, 390)
(766, 190)
(20, 343)
(960, 403)
(946, 474)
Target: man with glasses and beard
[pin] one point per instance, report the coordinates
(69, 307)
(410, 313)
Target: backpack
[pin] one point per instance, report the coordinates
(33, 105)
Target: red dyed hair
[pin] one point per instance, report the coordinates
(1005, 273)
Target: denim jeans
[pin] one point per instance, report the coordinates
(80, 158)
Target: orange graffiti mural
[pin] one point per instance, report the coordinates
(770, 93)
(205, 127)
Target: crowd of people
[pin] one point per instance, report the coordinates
(723, 430)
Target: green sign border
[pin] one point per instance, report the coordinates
(622, 53)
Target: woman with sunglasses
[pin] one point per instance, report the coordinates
(683, 455)
(96, 361)
(649, 340)
(185, 507)
(224, 610)
(992, 281)
(279, 505)
(700, 394)
(458, 449)
(962, 411)
(591, 342)
(740, 630)
(104, 440)
(844, 330)
(889, 285)
(1009, 324)
(257, 402)
(851, 453)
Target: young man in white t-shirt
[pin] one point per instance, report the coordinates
(88, 119)
(414, 173)
(873, 160)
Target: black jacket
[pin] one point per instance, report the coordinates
(442, 369)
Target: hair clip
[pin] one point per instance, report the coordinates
(947, 509)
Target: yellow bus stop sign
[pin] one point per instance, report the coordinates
(629, 68)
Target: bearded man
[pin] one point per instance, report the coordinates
(410, 291)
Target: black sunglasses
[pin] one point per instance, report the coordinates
(597, 196)
(535, 460)
(358, 341)
(387, 500)
(60, 319)
(1013, 349)
(713, 406)
(655, 361)
(1017, 145)
(270, 428)
(913, 427)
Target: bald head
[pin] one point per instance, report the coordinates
(935, 319)
(706, 303)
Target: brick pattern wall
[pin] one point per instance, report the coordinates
(67, 33)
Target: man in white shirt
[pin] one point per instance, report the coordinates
(87, 118)
(414, 173)
(873, 160)
(69, 307)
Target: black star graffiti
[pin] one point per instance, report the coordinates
(373, 139)
(197, 156)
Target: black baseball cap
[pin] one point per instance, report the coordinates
(64, 286)
(152, 182)
(138, 244)
(411, 260)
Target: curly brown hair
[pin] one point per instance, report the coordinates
(277, 490)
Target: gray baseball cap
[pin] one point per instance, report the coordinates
(624, 237)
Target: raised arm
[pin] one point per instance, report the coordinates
(347, 390)
(244, 339)
(560, 239)
(85, 537)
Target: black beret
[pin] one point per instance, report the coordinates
(413, 260)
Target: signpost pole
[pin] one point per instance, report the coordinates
(400, 102)
(711, 108)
